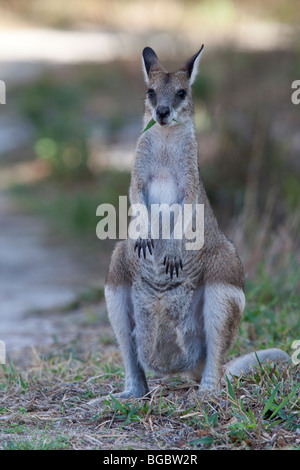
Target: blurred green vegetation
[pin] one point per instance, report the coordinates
(69, 106)
(61, 133)
(71, 207)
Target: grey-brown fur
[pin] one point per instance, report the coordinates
(173, 310)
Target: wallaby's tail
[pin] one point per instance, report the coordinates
(247, 363)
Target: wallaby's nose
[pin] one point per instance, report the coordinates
(162, 112)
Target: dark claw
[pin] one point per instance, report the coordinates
(142, 245)
(138, 246)
(171, 270)
(167, 267)
(172, 264)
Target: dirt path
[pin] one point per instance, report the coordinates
(38, 273)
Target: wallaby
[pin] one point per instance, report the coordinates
(174, 310)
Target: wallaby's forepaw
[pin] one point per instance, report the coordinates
(171, 263)
(142, 245)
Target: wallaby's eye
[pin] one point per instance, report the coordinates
(181, 94)
(150, 92)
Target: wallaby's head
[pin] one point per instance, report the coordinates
(169, 95)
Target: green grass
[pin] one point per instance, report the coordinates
(272, 309)
(42, 442)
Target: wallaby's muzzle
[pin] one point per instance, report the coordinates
(163, 114)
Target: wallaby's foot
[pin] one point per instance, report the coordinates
(207, 391)
(172, 262)
(196, 397)
(210, 383)
(143, 244)
(136, 393)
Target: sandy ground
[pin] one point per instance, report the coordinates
(38, 273)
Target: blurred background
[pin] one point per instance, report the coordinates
(73, 112)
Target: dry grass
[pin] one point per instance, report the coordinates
(62, 401)
(60, 412)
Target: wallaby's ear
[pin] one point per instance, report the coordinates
(191, 66)
(150, 62)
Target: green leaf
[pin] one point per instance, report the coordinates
(214, 419)
(178, 122)
(118, 405)
(231, 393)
(22, 383)
(152, 122)
(149, 125)
(271, 399)
(259, 363)
(285, 401)
(252, 417)
(132, 416)
(206, 440)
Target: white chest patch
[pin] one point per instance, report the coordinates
(163, 190)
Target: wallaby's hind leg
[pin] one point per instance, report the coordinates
(120, 312)
(223, 306)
